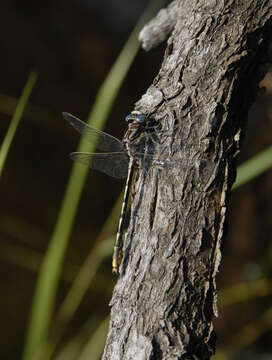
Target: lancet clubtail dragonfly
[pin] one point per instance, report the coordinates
(119, 159)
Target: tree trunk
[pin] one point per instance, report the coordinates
(165, 298)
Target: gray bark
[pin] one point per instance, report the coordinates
(165, 298)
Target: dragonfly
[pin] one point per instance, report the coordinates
(119, 159)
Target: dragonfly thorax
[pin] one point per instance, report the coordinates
(135, 129)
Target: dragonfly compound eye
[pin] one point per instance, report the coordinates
(135, 116)
(129, 118)
(141, 119)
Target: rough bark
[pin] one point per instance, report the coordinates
(165, 298)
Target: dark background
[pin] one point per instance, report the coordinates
(73, 45)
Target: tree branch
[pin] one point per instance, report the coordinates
(159, 28)
(165, 298)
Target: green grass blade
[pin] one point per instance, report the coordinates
(245, 291)
(101, 248)
(45, 293)
(32, 112)
(253, 167)
(72, 349)
(16, 119)
(94, 348)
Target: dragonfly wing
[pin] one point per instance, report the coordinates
(146, 161)
(164, 161)
(112, 164)
(151, 142)
(103, 141)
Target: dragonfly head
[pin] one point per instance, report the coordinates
(136, 116)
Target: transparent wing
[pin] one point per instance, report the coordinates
(163, 161)
(151, 142)
(103, 141)
(146, 161)
(152, 149)
(112, 164)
